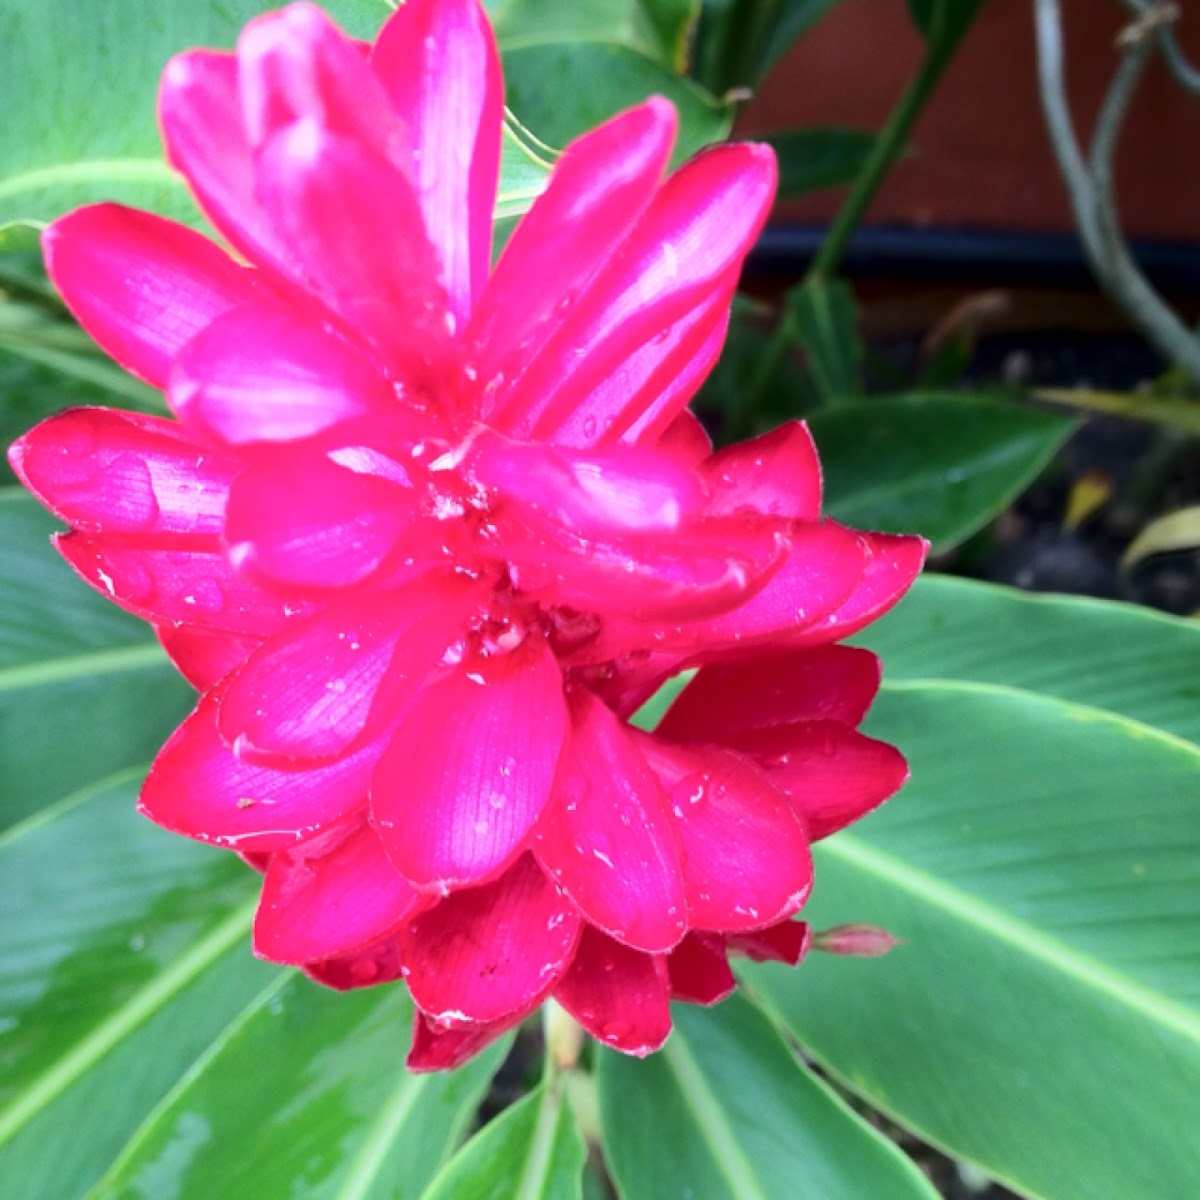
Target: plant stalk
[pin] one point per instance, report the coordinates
(888, 145)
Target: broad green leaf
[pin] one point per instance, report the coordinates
(674, 21)
(87, 129)
(532, 1151)
(739, 41)
(1043, 1019)
(726, 1112)
(1130, 661)
(304, 1094)
(125, 950)
(818, 158)
(822, 319)
(938, 464)
(561, 89)
(85, 690)
(658, 28)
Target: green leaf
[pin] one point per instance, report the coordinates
(739, 41)
(822, 319)
(125, 951)
(560, 89)
(1134, 406)
(726, 1112)
(85, 690)
(305, 1093)
(658, 28)
(755, 384)
(532, 1151)
(938, 464)
(1043, 1019)
(89, 132)
(943, 22)
(810, 159)
(1128, 660)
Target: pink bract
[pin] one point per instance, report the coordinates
(425, 533)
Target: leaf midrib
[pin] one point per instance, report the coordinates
(968, 909)
(1044, 442)
(131, 169)
(87, 665)
(69, 1069)
(727, 1153)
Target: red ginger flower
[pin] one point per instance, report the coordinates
(425, 536)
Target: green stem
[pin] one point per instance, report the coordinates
(888, 145)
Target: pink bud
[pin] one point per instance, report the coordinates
(861, 941)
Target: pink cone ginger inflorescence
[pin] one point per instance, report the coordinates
(425, 533)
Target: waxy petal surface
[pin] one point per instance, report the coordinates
(608, 840)
(204, 656)
(698, 969)
(200, 788)
(788, 942)
(707, 566)
(834, 683)
(352, 222)
(483, 954)
(107, 472)
(823, 567)
(832, 774)
(200, 112)
(471, 767)
(686, 439)
(598, 188)
(315, 693)
(696, 230)
(330, 894)
(169, 583)
(595, 495)
(436, 1048)
(438, 63)
(777, 473)
(368, 967)
(295, 64)
(620, 996)
(893, 563)
(644, 392)
(269, 374)
(746, 860)
(300, 519)
(141, 285)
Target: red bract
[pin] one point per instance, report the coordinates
(425, 537)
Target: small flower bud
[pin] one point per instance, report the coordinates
(860, 941)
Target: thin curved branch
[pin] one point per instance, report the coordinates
(1186, 75)
(1089, 185)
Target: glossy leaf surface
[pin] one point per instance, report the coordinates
(822, 317)
(725, 1111)
(85, 690)
(1043, 1019)
(305, 1094)
(938, 464)
(558, 89)
(818, 158)
(125, 951)
(1130, 661)
(531, 1150)
(658, 28)
(89, 133)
